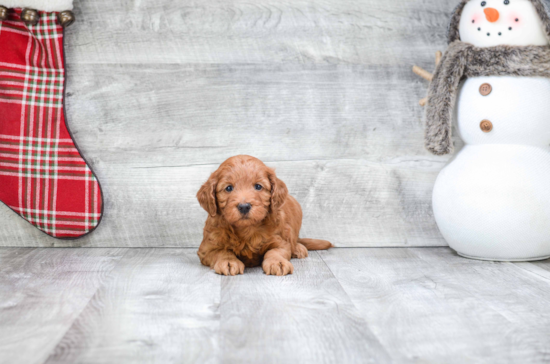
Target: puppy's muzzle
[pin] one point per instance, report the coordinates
(244, 208)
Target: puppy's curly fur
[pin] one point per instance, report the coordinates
(266, 235)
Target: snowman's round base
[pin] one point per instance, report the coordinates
(504, 260)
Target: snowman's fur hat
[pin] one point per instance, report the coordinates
(463, 60)
(542, 7)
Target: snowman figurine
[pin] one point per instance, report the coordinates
(492, 201)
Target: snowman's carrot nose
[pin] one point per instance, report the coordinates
(491, 14)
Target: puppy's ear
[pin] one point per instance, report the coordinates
(207, 195)
(279, 191)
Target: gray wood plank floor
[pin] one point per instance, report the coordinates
(159, 93)
(357, 305)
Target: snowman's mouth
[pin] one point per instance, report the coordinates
(493, 33)
(498, 33)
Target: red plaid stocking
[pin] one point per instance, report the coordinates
(43, 177)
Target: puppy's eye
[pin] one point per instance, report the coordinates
(506, 2)
(483, 3)
(229, 188)
(258, 187)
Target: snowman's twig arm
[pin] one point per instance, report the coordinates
(438, 56)
(427, 75)
(423, 73)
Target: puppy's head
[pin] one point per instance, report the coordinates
(243, 191)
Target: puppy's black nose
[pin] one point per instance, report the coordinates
(244, 208)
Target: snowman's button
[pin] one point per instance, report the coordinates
(485, 89)
(486, 126)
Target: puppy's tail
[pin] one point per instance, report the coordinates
(315, 244)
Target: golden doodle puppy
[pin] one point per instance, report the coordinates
(252, 220)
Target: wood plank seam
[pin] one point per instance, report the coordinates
(533, 270)
(84, 307)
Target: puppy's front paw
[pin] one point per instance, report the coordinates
(277, 267)
(229, 267)
(301, 252)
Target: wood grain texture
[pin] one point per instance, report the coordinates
(42, 291)
(359, 305)
(432, 306)
(160, 93)
(160, 307)
(264, 31)
(302, 318)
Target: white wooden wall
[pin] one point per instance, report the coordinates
(161, 92)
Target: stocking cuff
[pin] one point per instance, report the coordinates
(41, 5)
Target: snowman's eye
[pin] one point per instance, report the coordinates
(483, 3)
(506, 2)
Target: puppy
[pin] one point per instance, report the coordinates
(252, 220)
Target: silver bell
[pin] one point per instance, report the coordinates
(66, 18)
(30, 16)
(3, 13)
